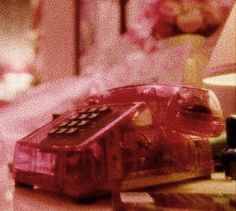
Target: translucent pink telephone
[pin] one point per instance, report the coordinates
(131, 137)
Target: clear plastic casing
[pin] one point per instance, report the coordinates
(129, 138)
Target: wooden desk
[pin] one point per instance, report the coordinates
(12, 198)
(218, 184)
(216, 193)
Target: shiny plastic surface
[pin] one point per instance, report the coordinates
(129, 138)
(190, 110)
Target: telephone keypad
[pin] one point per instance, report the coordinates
(80, 120)
(104, 109)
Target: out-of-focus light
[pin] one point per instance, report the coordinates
(14, 83)
(222, 80)
(8, 195)
(17, 59)
(18, 80)
(220, 74)
(223, 75)
(17, 53)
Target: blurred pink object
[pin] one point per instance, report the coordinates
(171, 17)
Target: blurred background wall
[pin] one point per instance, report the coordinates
(16, 36)
(57, 45)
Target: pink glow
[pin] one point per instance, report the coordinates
(161, 18)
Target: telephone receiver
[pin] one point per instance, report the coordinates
(181, 108)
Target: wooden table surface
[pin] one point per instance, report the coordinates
(12, 198)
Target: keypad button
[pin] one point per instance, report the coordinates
(72, 130)
(91, 110)
(93, 116)
(52, 131)
(83, 123)
(82, 116)
(104, 109)
(72, 123)
(83, 110)
(74, 116)
(63, 124)
(61, 131)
